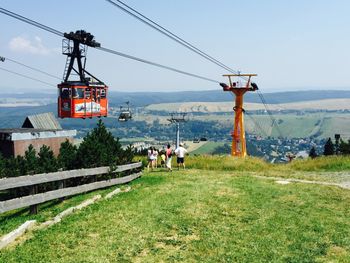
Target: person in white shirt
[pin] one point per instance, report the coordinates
(180, 153)
(151, 158)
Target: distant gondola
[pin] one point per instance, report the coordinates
(125, 113)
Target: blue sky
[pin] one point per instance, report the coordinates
(291, 45)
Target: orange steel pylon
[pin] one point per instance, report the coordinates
(238, 88)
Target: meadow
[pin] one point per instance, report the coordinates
(219, 210)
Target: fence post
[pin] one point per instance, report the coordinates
(61, 185)
(33, 208)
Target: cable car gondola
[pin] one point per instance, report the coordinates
(125, 113)
(87, 96)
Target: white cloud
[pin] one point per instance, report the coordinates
(24, 45)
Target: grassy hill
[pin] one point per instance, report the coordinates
(146, 98)
(223, 106)
(220, 210)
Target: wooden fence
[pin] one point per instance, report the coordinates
(34, 180)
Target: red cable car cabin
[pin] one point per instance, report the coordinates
(81, 98)
(78, 100)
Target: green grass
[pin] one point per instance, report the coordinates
(216, 211)
(201, 216)
(330, 163)
(207, 148)
(12, 219)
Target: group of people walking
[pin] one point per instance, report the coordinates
(166, 157)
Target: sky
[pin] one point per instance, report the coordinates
(291, 45)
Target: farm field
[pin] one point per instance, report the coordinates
(291, 125)
(224, 106)
(206, 214)
(207, 148)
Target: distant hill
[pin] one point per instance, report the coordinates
(143, 98)
(146, 98)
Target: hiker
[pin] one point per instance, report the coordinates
(180, 153)
(151, 158)
(168, 155)
(162, 159)
(155, 157)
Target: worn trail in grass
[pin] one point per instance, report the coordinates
(201, 216)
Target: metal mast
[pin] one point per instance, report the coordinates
(239, 147)
(177, 118)
(74, 47)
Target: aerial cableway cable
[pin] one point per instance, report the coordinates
(256, 124)
(155, 64)
(274, 122)
(31, 22)
(167, 33)
(32, 68)
(144, 19)
(25, 76)
(158, 28)
(54, 31)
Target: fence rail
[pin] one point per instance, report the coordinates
(33, 180)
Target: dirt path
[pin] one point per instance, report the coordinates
(280, 180)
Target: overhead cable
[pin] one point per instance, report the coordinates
(32, 68)
(274, 122)
(144, 19)
(155, 64)
(25, 76)
(256, 124)
(31, 22)
(51, 30)
(134, 13)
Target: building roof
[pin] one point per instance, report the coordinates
(31, 134)
(46, 121)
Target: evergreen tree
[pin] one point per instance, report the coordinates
(31, 161)
(329, 147)
(127, 155)
(99, 148)
(344, 148)
(2, 166)
(14, 167)
(67, 158)
(313, 153)
(46, 161)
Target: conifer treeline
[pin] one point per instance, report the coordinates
(99, 148)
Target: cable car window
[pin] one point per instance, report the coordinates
(65, 93)
(103, 93)
(78, 93)
(87, 93)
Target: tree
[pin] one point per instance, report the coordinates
(313, 153)
(14, 167)
(67, 158)
(329, 147)
(99, 148)
(31, 161)
(127, 154)
(2, 166)
(47, 162)
(344, 148)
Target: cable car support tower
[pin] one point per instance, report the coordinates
(177, 118)
(239, 147)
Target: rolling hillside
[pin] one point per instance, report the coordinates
(223, 106)
(219, 210)
(146, 98)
